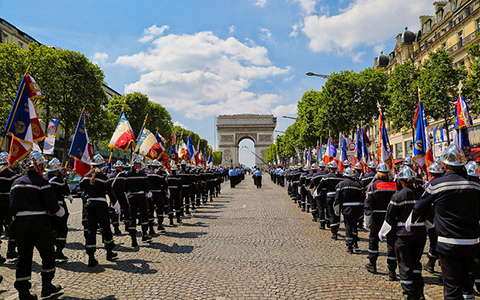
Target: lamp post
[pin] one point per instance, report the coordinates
(288, 117)
(318, 75)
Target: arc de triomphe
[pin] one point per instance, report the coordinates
(232, 129)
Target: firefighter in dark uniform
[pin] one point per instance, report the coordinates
(204, 178)
(315, 182)
(184, 174)
(349, 201)
(32, 200)
(358, 171)
(296, 183)
(117, 181)
(138, 190)
(328, 191)
(434, 171)
(158, 184)
(456, 202)
(211, 182)
(379, 194)
(218, 181)
(96, 186)
(7, 176)
(410, 244)
(174, 183)
(368, 177)
(61, 190)
(193, 186)
(199, 186)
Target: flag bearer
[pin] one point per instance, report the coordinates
(32, 199)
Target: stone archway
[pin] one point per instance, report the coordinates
(232, 129)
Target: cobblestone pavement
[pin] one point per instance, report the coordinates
(246, 244)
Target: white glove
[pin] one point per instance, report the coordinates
(381, 237)
(336, 209)
(384, 231)
(61, 212)
(149, 195)
(70, 197)
(116, 207)
(408, 223)
(366, 222)
(168, 196)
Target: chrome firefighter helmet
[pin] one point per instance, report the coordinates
(36, 157)
(118, 164)
(435, 168)
(406, 172)
(321, 164)
(155, 163)
(408, 161)
(138, 159)
(472, 169)
(3, 157)
(358, 166)
(174, 168)
(97, 160)
(53, 165)
(382, 168)
(372, 165)
(453, 156)
(332, 165)
(349, 172)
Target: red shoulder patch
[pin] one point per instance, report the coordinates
(386, 185)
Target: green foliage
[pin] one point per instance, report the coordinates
(271, 153)
(403, 93)
(216, 158)
(472, 85)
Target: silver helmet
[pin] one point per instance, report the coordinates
(372, 165)
(174, 168)
(472, 169)
(382, 168)
(346, 163)
(97, 160)
(349, 172)
(406, 172)
(3, 158)
(155, 163)
(118, 164)
(53, 165)
(306, 168)
(314, 166)
(138, 159)
(435, 168)
(332, 165)
(453, 156)
(321, 164)
(408, 161)
(36, 157)
(358, 166)
(183, 163)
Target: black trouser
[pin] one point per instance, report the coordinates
(281, 181)
(114, 218)
(211, 189)
(322, 209)
(5, 220)
(185, 199)
(44, 243)
(98, 217)
(157, 204)
(351, 232)
(232, 182)
(138, 203)
(258, 182)
(373, 240)
(432, 250)
(409, 251)
(334, 219)
(457, 263)
(125, 211)
(193, 192)
(60, 231)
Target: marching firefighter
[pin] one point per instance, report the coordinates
(349, 200)
(7, 176)
(174, 183)
(158, 184)
(185, 175)
(32, 200)
(96, 186)
(61, 190)
(379, 195)
(328, 191)
(409, 244)
(138, 190)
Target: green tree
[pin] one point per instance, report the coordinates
(271, 153)
(472, 84)
(308, 108)
(438, 83)
(403, 94)
(216, 158)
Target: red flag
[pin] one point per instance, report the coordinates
(81, 168)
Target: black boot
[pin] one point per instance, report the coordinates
(171, 221)
(92, 262)
(372, 267)
(179, 220)
(392, 276)
(322, 226)
(430, 265)
(2, 260)
(117, 230)
(350, 249)
(26, 296)
(111, 256)
(146, 238)
(160, 227)
(134, 241)
(151, 231)
(59, 256)
(50, 290)
(334, 236)
(12, 254)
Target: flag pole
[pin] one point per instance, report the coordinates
(140, 133)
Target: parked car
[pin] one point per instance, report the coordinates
(74, 185)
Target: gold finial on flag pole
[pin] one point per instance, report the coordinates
(460, 87)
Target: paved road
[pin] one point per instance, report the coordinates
(247, 244)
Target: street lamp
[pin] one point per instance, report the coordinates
(279, 131)
(288, 117)
(318, 75)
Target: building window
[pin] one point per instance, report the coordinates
(444, 45)
(398, 150)
(460, 37)
(409, 148)
(20, 44)
(478, 24)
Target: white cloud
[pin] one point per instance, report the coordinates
(308, 6)
(379, 48)
(266, 35)
(364, 22)
(261, 3)
(231, 29)
(295, 29)
(284, 110)
(99, 57)
(153, 31)
(180, 125)
(357, 57)
(202, 75)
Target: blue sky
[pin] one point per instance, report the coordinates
(204, 58)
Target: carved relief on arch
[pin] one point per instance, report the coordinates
(242, 136)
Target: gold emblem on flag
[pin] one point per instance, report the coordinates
(19, 127)
(34, 87)
(35, 129)
(14, 150)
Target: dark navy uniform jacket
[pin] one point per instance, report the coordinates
(96, 194)
(119, 186)
(60, 188)
(456, 203)
(367, 179)
(379, 194)
(350, 197)
(136, 184)
(31, 201)
(329, 183)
